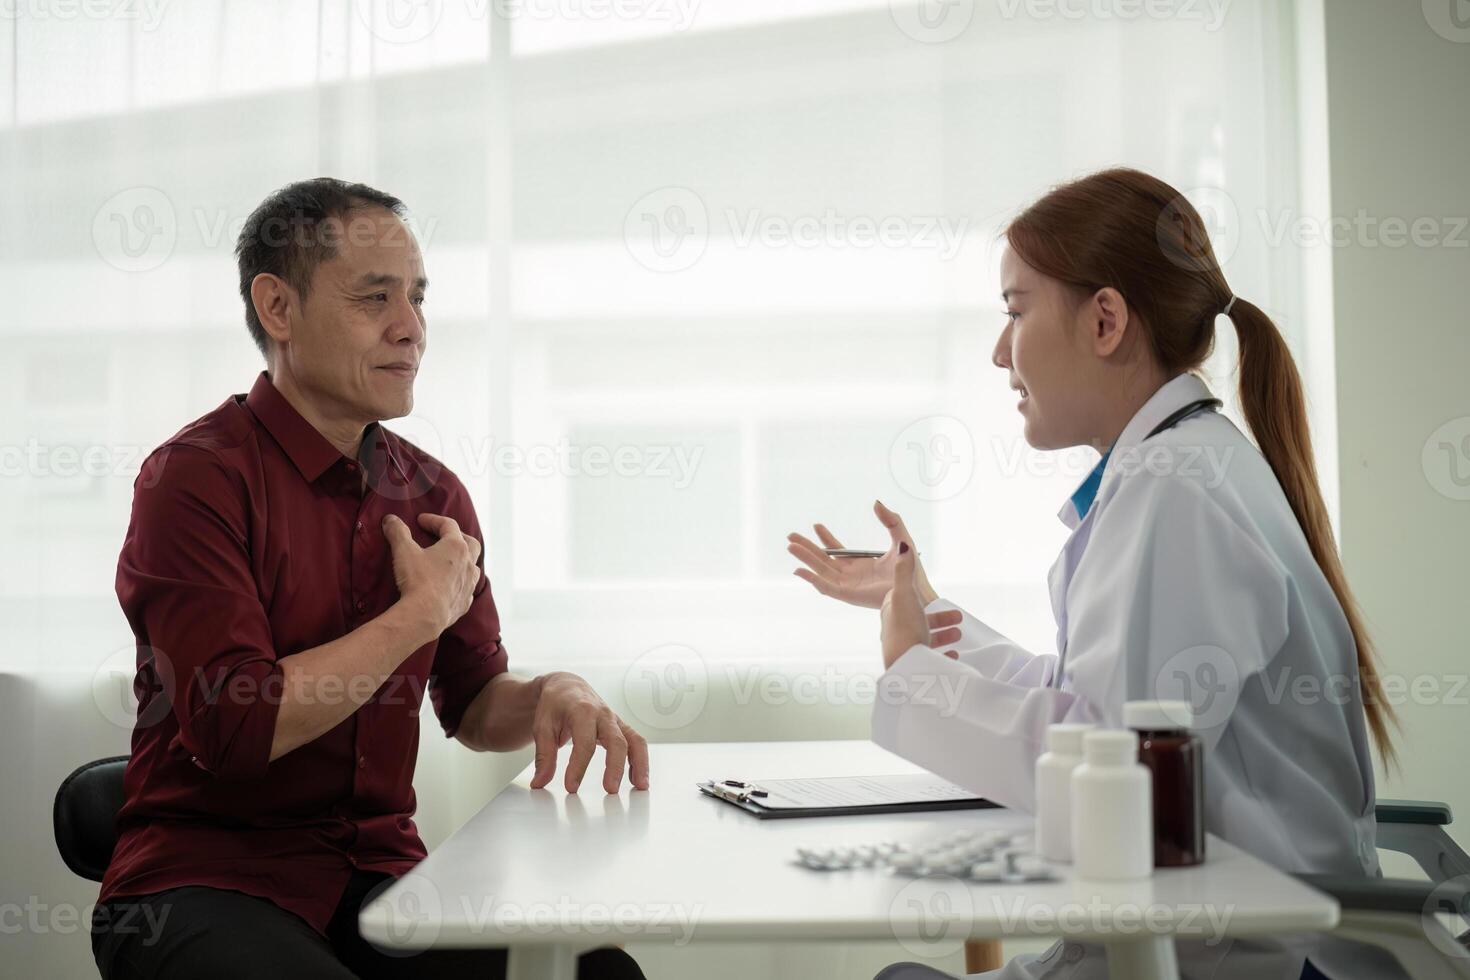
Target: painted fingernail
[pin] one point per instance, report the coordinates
(903, 547)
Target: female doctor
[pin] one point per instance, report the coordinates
(1219, 584)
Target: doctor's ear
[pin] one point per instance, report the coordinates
(1107, 320)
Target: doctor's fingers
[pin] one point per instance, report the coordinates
(829, 539)
(819, 583)
(811, 556)
(944, 637)
(896, 527)
(946, 617)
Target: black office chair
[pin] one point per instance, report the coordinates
(85, 815)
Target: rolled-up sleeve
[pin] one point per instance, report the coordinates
(469, 651)
(184, 582)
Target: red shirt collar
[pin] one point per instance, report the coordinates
(310, 451)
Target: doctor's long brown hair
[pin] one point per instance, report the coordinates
(1125, 229)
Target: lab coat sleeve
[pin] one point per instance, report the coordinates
(994, 654)
(1166, 572)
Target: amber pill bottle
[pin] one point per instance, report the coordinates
(1176, 757)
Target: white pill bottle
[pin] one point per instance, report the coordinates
(1112, 799)
(1054, 811)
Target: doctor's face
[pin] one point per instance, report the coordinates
(1046, 350)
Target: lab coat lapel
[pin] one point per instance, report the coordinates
(1173, 395)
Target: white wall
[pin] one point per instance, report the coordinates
(1399, 141)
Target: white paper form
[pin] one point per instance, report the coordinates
(830, 791)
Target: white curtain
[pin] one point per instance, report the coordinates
(704, 272)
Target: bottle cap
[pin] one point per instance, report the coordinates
(1066, 739)
(1157, 715)
(1109, 747)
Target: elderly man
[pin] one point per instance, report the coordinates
(297, 577)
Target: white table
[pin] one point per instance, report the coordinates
(549, 875)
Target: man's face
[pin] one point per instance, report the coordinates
(362, 332)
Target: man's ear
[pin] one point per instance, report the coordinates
(274, 298)
(1109, 321)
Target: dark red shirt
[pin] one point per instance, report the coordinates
(253, 538)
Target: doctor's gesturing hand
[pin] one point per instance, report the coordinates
(868, 581)
(904, 622)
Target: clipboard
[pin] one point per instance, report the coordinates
(838, 796)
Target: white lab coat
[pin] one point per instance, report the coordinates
(1189, 577)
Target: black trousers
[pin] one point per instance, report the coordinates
(196, 933)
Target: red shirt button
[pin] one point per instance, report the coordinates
(361, 605)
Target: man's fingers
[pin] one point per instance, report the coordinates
(475, 547)
(947, 617)
(615, 747)
(829, 539)
(397, 533)
(637, 756)
(546, 746)
(439, 524)
(584, 743)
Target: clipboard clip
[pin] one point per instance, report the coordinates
(734, 790)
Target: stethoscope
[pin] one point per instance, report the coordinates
(1174, 418)
(1192, 409)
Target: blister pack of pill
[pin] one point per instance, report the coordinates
(991, 856)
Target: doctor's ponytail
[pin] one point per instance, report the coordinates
(1126, 229)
